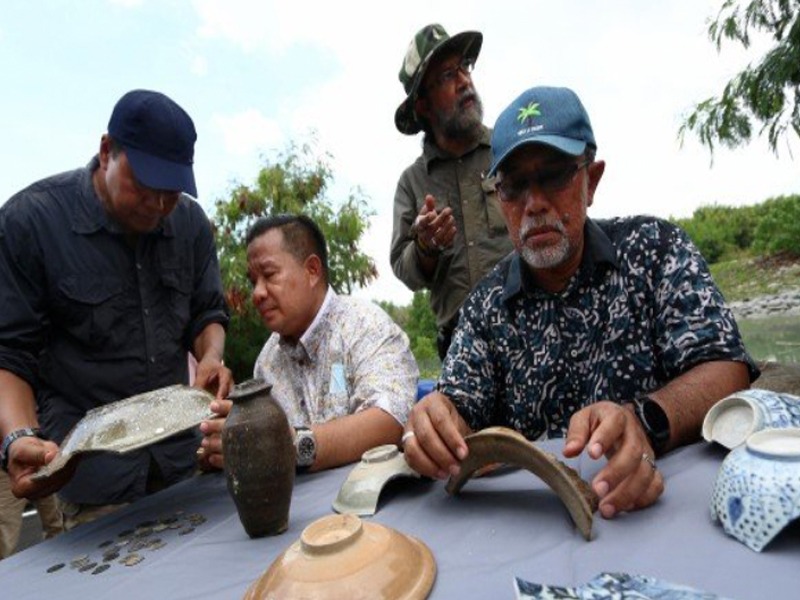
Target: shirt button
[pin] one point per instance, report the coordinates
(146, 312)
(471, 244)
(573, 353)
(139, 266)
(152, 359)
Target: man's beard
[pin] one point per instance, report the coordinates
(463, 122)
(547, 257)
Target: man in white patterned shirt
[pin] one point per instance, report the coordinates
(340, 367)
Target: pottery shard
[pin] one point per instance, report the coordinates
(503, 445)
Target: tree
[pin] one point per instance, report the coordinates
(767, 93)
(296, 182)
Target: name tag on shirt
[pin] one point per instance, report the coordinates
(338, 383)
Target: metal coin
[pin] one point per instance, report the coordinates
(169, 520)
(106, 543)
(158, 545)
(101, 568)
(80, 558)
(132, 559)
(175, 525)
(159, 528)
(186, 531)
(143, 532)
(56, 567)
(88, 567)
(109, 556)
(126, 533)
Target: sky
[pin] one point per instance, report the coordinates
(257, 75)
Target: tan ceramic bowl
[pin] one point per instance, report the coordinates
(340, 556)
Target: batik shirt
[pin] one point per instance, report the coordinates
(641, 310)
(352, 357)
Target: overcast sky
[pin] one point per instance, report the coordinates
(256, 74)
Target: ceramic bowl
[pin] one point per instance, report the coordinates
(361, 490)
(757, 490)
(734, 418)
(341, 556)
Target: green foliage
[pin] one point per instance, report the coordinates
(721, 232)
(767, 93)
(778, 230)
(419, 323)
(296, 182)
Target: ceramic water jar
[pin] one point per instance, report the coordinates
(259, 452)
(731, 420)
(757, 490)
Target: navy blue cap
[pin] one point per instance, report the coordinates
(158, 137)
(542, 115)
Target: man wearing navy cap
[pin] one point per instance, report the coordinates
(609, 333)
(108, 277)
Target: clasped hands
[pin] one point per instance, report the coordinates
(628, 481)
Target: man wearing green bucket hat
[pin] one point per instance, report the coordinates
(448, 228)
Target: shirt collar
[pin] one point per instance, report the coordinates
(308, 344)
(597, 250)
(431, 152)
(88, 215)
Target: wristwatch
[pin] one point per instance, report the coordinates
(13, 437)
(654, 421)
(305, 445)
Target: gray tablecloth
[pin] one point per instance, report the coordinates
(499, 527)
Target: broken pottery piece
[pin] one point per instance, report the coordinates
(503, 445)
(341, 556)
(734, 418)
(757, 490)
(361, 490)
(133, 423)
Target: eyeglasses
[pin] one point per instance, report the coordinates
(513, 189)
(449, 76)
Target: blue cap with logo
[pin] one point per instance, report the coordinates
(158, 137)
(542, 115)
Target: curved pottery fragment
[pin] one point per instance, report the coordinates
(361, 490)
(503, 445)
(133, 423)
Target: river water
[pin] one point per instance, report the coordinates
(772, 338)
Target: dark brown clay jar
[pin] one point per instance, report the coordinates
(259, 452)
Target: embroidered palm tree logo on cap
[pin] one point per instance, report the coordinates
(528, 112)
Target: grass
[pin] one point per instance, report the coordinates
(747, 277)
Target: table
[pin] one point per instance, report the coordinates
(501, 526)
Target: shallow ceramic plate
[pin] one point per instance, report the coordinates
(360, 492)
(133, 423)
(341, 556)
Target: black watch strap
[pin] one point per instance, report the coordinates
(13, 437)
(654, 421)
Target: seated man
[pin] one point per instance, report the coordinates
(609, 332)
(340, 368)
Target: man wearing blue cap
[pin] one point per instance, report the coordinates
(611, 333)
(448, 228)
(108, 277)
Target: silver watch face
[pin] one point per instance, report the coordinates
(306, 448)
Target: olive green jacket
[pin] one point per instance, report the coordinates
(482, 238)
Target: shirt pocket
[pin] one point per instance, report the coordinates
(494, 215)
(93, 312)
(177, 285)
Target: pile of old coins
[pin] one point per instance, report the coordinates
(130, 546)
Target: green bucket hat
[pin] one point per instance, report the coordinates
(429, 41)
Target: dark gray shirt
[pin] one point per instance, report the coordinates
(89, 318)
(641, 310)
